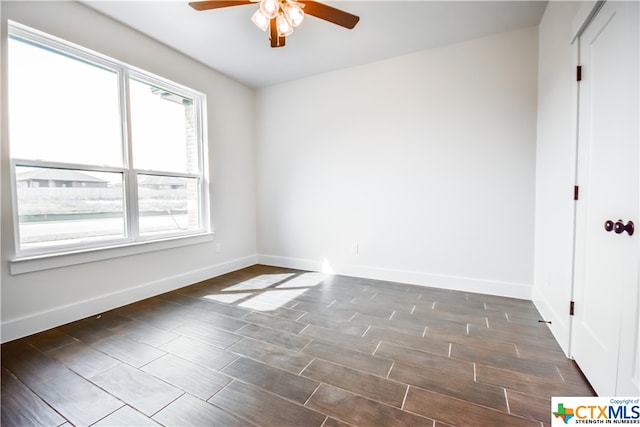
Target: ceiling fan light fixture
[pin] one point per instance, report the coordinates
(270, 8)
(283, 25)
(260, 20)
(280, 17)
(293, 13)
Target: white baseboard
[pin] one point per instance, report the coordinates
(466, 284)
(34, 323)
(560, 324)
(31, 324)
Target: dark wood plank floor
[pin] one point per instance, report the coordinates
(267, 346)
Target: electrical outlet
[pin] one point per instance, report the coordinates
(354, 249)
(218, 247)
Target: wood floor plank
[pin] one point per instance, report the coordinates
(556, 356)
(80, 402)
(391, 325)
(440, 326)
(458, 302)
(445, 379)
(206, 333)
(190, 411)
(411, 356)
(487, 356)
(529, 384)
(534, 334)
(30, 365)
(131, 352)
(424, 313)
(426, 344)
(460, 412)
(89, 330)
(222, 308)
(480, 344)
(307, 280)
(574, 378)
(277, 381)
(140, 390)
(347, 329)
(21, 407)
(50, 340)
(332, 422)
(371, 309)
(217, 320)
(527, 406)
(326, 319)
(274, 336)
(262, 282)
(275, 322)
(349, 358)
(202, 353)
(263, 408)
(165, 318)
(279, 357)
(192, 378)
(273, 305)
(83, 359)
(360, 411)
(146, 333)
(126, 416)
(297, 348)
(370, 386)
(398, 302)
(364, 345)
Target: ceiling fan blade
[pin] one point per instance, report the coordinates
(328, 13)
(276, 41)
(217, 4)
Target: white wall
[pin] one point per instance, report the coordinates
(40, 300)
(425, 161)
(555, 168)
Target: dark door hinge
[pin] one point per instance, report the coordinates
(571, 307)
(579, 73)
(576, 192)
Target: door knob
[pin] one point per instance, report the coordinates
(608, 225)
(621, 227)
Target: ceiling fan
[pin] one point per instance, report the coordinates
(280, 17)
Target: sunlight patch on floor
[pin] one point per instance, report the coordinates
(268, 292)
(306, 280)
(228, 298)
(271, 300)
(259, 282)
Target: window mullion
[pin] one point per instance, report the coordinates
(163, 173)
(203, 162)
(68, 166)
(131, 186)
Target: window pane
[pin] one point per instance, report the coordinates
(62, 109)
(69, 109)
(167, 204)
(62, 207)
(163, 129)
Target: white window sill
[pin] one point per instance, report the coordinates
(46, 262)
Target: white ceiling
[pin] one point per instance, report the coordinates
(226, 39)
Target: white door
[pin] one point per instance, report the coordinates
(605, 326)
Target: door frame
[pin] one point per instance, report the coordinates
(583, 18)
(588, 11)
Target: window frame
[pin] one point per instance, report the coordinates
(132, 237)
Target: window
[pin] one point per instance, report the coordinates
(102, 154)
